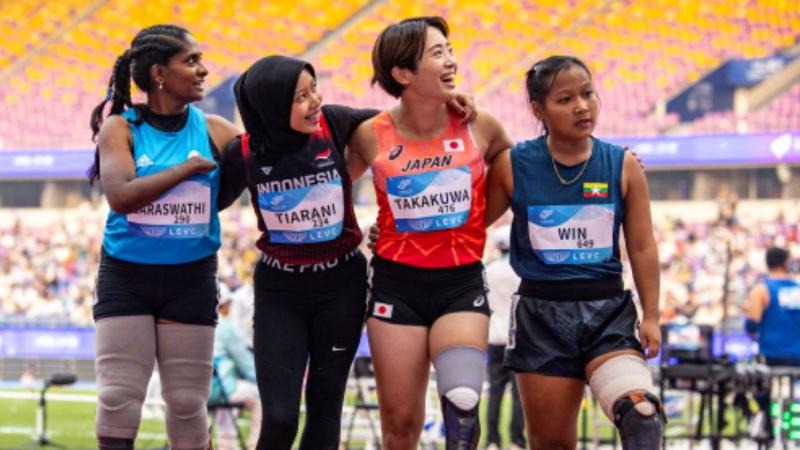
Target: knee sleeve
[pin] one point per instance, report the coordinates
(623, 386)
(125, 348)
(184, 360)
(459, 375)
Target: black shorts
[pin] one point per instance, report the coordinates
(560, 337)
(407, 295)
(186, 293)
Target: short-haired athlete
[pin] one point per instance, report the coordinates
(427, 289)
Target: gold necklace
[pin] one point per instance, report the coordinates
(577, 177)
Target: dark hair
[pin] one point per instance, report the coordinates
(152, 45)
(539, 79)
(401, 45)
(776, 258)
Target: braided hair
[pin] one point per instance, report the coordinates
(152, 45)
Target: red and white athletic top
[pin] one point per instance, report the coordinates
(430, 195)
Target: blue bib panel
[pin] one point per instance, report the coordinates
(566, 232)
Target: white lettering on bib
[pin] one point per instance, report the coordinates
(789, 297)
(183, 212)
(430, 201)
(304, 215)
(572, 234)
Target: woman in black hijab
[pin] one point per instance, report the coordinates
(310, 282)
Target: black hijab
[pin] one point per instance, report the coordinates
(264, 94)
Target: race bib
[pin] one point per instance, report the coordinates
(430, 201)
(304, 215)
(789, 297)
(184, 212)
(572, 234)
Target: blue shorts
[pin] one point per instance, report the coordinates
(560, 337)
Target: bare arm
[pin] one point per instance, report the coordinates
(232, 180)
(361, 150)
(221, 130)
(757, 302)
(499, 186)
(490, 132)
(642, 250)
(125, 191)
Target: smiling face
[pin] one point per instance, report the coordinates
(436, 70)
(571, 105)
(306, 106)
(184, 74)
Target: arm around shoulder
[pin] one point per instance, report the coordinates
(489, 130)
(222, 131)
(499, 186)
(361, 149)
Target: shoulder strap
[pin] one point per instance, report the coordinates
(246, 159)
(246, 145)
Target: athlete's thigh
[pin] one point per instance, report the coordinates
(402, 366)
(551, 406)
(598, 361)
(459, 329)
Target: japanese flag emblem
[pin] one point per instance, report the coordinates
(383, 310)
(453, 145)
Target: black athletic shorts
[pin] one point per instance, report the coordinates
(407, 295)
(186, 293)
(557, 328)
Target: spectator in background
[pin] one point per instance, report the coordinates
(503, 283)
(234, 376)
(773, 315)
(773, 312)
(241, 307)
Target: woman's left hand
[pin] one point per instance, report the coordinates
(372, 236)
(464, 104)
(650, 337)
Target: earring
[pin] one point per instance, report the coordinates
(160, 85)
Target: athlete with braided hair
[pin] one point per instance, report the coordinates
(156, 292)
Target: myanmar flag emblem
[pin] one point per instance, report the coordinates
(595, 190)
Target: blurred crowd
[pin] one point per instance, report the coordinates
(48, 261)
(706, 264)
